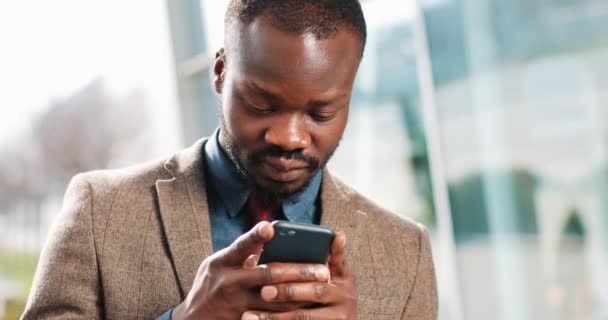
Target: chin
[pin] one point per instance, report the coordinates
(282, 190)
(284, 187)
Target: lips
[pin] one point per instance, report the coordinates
(283, 170)
(285, 165)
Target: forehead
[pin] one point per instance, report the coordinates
(260, 52)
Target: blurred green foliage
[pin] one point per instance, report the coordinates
(18, 267)
(14, 308)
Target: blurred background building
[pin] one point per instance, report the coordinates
(483, 119)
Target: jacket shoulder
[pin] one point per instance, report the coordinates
(380, 217)
(139, 176)
(397, 251)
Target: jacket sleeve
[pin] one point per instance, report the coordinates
(422, 303)
(66, 284)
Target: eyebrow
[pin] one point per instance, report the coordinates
(275, 98)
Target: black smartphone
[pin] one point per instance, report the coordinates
(297, 243)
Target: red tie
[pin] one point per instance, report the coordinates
(259, 210)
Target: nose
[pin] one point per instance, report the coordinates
(289, 133)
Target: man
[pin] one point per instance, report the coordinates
(173, 238)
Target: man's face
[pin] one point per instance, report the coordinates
(284, 102)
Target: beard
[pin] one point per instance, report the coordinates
(267, 195)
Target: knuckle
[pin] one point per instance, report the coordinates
(320, 290)
(240, 246)
(307, 273)
(216, 263)
(267, 276)
(288, 292)
(255, 236)
(303, 315)
(265, 316)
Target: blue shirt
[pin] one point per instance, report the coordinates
(227, 194)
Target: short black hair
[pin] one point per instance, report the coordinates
(322, 18)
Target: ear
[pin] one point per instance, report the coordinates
(219, 70)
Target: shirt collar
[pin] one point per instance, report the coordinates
(234, 192)
(224, 178)
(301, 202)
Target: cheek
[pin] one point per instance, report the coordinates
(328, 136)
(243, 130)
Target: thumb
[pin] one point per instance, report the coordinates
(337, 261)
(249, 243)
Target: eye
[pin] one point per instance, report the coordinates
(257, 109)
(322, 116)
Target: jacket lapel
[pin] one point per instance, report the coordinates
(184, 213)
(338, 211)
(341, 212)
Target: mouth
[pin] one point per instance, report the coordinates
(284, 170)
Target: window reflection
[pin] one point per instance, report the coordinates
(520, 89)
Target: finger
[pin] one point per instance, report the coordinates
(274, 273)
(251, 262)
(337, 260)
(313, 292)
(322, 313)
(257, 303)
(248, 244)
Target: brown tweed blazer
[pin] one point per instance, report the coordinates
(128, 242)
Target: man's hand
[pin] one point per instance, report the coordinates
(227, 283)
(336, 299)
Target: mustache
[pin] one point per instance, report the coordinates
(257, 156)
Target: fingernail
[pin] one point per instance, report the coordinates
(264, 229)
(322, 274)
(343, 236)
(250, 316)
(269, 292)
